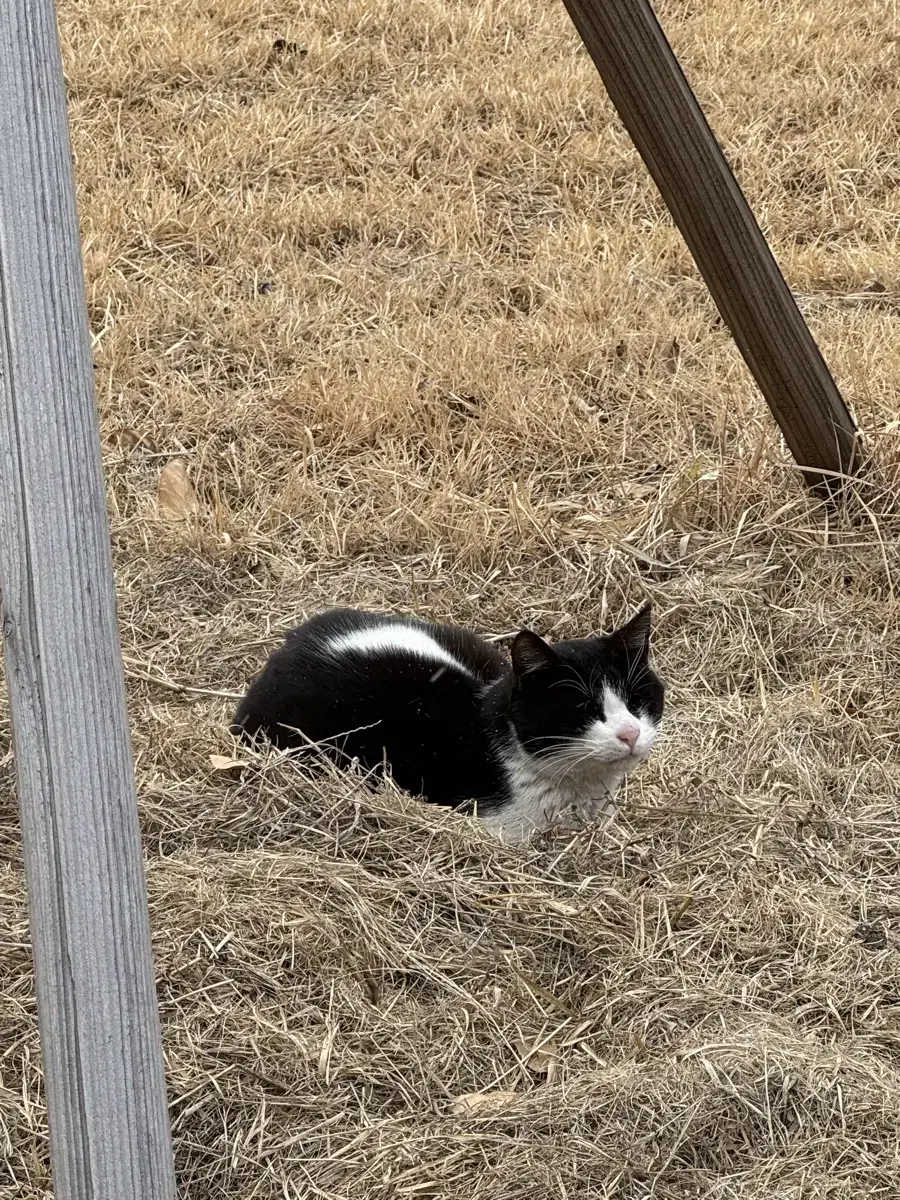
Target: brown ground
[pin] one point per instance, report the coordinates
(391, 280)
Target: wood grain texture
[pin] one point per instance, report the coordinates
(99, 1025)
(665, 121)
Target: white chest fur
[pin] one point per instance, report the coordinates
(542, 795)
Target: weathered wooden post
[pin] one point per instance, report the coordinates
(667, 125)
(100, 1036)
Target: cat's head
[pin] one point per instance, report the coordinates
(582, 703)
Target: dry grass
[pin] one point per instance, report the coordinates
(404, 300)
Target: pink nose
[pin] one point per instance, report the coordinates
(629, 734)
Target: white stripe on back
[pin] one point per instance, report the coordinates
(404, 638)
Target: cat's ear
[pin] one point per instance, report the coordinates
(531, 653)
(635, 635)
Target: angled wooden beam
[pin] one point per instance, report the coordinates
(99, 1025)
(665, 121)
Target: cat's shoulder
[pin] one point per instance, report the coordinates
(358, 631)
(332, 621)
(475, 651)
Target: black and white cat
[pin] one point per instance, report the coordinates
(525, 744)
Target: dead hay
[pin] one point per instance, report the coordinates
(390, 282)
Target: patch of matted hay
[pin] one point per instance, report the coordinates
(711, 989)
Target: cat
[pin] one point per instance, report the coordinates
(523, 744)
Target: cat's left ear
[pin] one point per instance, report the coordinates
(531, 653)
(635, 635)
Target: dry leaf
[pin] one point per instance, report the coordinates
(127, 438)
(543, 1061)
(176, 497)
(481, 1102)
(222, 762)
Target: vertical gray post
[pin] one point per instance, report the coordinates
(100, 1036)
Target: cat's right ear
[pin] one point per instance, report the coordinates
(635, 634)
(531, 653)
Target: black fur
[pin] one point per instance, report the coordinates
(444, 731)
